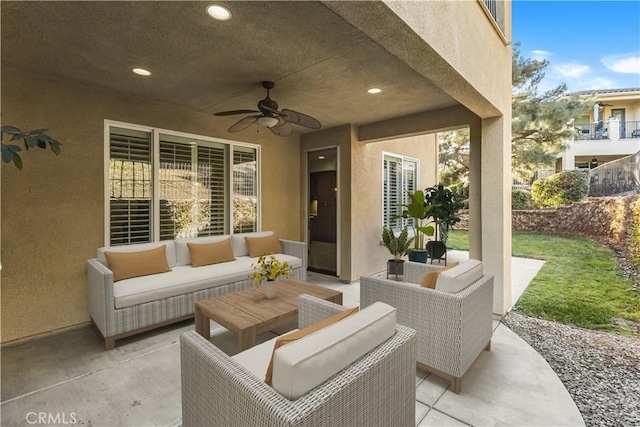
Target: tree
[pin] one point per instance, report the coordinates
(541, 122)
(453, 153)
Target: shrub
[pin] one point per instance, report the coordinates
(521, 199)
(560, 189)
(460, 191)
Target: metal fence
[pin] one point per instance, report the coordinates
(589, 131)
(617, 177)
(520, 184)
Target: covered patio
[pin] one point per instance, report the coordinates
(67, 67)
(138, 383)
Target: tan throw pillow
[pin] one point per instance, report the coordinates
(294, 336)
(429, 281)
(126, 265)
(210, 253)
(259, 246)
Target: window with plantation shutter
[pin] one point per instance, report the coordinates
(193, 188)
(245, 191)
(399, 177)
(190, 195)
(130, 186)
(212, 173)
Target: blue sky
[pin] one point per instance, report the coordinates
(589, 44)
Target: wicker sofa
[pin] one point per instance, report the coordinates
(378, 389)
(135, 305)
(453, 328)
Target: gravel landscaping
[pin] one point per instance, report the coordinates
(601, 371)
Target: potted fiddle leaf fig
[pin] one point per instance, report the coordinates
(399, 246)
(417, 210)
(444, 214)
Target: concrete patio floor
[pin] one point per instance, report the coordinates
(70, 375)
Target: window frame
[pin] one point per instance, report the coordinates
(402, 158)
(155, 167)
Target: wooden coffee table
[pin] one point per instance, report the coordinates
(248, 313)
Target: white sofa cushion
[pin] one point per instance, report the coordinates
(305, 364)
(459, 277)
(170, 244)
(239, 245)
(183, 256)
(184, 279)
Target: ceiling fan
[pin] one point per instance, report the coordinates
(278, 122)
(602, 104)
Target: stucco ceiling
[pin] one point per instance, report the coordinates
(321, 64)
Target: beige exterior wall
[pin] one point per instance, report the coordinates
(360, 191)
(369, 256)
(53, 211)
(463, 46)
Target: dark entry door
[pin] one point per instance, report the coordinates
(323, 212)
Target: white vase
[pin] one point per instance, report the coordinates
(270, 289)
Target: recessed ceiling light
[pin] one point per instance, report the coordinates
(141, 72)
(218, 12)
(321, 157)
(374, 90)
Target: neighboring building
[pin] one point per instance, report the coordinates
(609, 132)
(66, 67)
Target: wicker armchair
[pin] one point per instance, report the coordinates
(453, 329)
(377, 389)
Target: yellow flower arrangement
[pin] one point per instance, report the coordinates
(269, 268)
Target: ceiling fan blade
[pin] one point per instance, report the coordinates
(282, 129)
(300, 119)
(243, 123)
(233, 112)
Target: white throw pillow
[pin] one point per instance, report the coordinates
(459, 277)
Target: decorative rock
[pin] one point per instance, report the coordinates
(601, 371)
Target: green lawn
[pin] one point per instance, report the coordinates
(579, 283)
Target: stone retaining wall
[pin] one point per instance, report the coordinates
(605, 217)
(614, 219)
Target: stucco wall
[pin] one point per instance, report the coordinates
(53, 211)
(366, 200)
(464, 46)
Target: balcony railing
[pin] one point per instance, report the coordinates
(617, 177)
(590, 131)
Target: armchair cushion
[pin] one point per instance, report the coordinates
(308, 362)
(459, 277)
(430, 279)
(302, 333)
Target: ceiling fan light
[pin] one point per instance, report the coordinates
(218, 12)
(267, 122)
